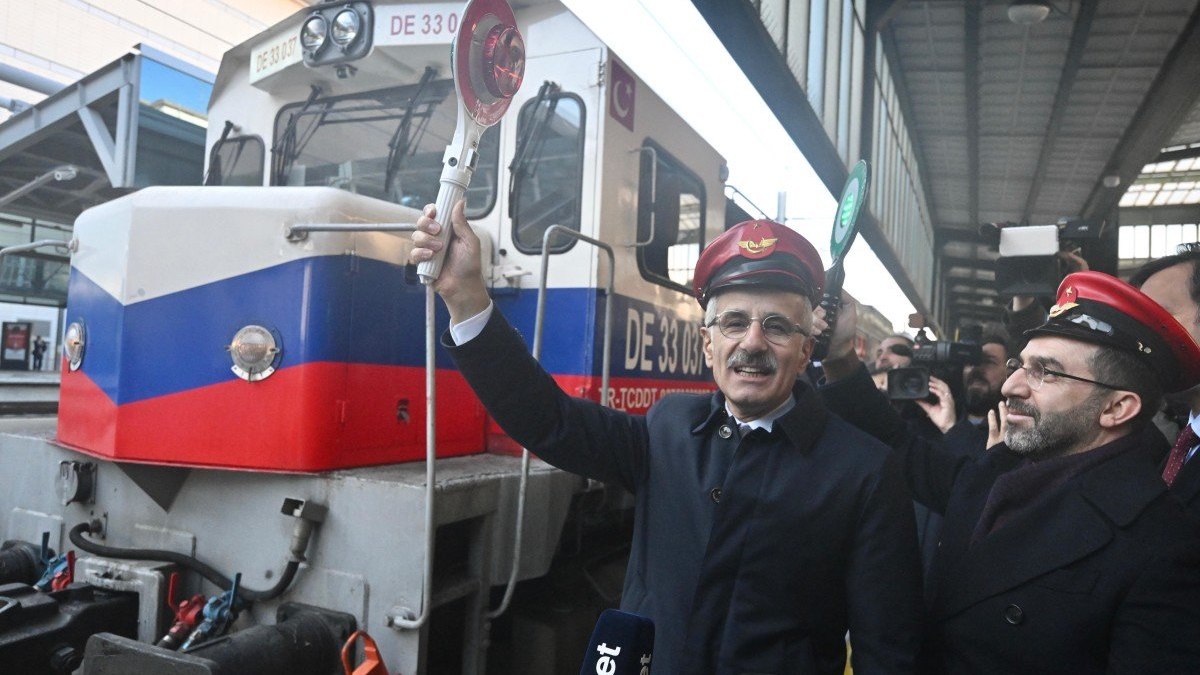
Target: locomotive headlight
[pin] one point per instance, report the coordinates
(346, 26)
(74, 343)
(254, 351)
(504, 61)
(313, 33)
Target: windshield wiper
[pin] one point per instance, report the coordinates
(529, 144)
(288, 147)
(405, 139)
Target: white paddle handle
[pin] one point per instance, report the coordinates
(460, 160)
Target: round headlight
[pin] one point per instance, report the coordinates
(504, 61)
(74, 343)
(314, 32)
(346, 26)
(254, 352)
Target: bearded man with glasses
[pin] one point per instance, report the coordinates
(765, 528)
(1061, 550)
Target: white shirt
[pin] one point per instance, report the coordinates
(470, 329)
(1194, 423)
(766, 421)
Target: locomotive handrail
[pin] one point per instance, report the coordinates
(41, 243)
(300, 232)
(653, 196)
(404, 618)
(539, 324)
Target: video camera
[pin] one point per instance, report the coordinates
(1028, 262)
(943, 359)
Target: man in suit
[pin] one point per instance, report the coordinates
(1061, 550)
(764, 527)
(1174, 282)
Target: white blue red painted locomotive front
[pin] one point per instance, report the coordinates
(165, 277)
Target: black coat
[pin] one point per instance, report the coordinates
(751, 556)
(964, 438)
(1102, 577)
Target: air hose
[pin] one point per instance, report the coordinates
(208, 572)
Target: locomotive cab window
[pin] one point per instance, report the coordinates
(237, 160)
(547, 169)
(670, 219)
(387, 144)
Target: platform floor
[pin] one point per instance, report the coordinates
(24, 392)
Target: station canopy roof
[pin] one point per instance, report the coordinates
(1028, 123)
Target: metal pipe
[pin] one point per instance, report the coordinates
(407, 619)
(15, 105)
(405, 622)
(58, 173)
(518, 539)
(34, 245)
(27, 80)
(300, 232)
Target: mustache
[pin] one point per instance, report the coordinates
(1022, 408)
(761, 360)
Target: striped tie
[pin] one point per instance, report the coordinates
(1186, 441)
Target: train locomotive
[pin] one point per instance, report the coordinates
(237, 481)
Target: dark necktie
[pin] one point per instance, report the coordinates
(1187, 439)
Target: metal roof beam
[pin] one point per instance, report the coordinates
(26, 128)
(1164, 108)
(971, 80)
(1066, 82)
(880, 12)
(1159, 215)
(958, 261)
(1175, 155)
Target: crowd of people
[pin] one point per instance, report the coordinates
(775, 516)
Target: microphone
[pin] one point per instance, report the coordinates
(621, 644)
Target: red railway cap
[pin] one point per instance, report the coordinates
(759, 253)
(1097, 308)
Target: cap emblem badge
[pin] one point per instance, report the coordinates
(758, 249)
(1059, 309)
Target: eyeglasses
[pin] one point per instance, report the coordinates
(1037, 374)
(776, 328)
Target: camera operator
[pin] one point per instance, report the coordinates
(981, 388)
(1027, 312)
(895, 351)
(960, 434)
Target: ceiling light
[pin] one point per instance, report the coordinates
(1028, 12)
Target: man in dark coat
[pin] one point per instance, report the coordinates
(1174, 282)
(1061, 550)
(765, 528)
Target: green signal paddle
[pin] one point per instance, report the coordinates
(845, 231)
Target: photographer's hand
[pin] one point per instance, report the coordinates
(1074, 262)
(942, 414)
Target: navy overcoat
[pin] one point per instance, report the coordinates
(751, 555)
(1100, 576)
